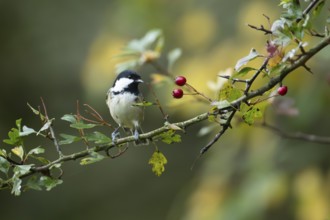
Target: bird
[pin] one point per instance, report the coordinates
(121, 99)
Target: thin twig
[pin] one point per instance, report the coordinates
(218, 135)
(254, 77)
(51, 130)
(199, 93)
(261, 28)
(158, 102)
(297, 135)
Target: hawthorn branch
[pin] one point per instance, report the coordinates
(297, 135)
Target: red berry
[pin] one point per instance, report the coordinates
(177, 93)
(180, 80)
(282, 90)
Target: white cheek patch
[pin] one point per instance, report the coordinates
(121, 84)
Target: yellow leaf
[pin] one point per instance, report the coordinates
(158, 160)
(18, 151)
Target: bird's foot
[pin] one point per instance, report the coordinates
(136, 135)
(115, 135)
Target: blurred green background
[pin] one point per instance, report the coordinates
(63, 50)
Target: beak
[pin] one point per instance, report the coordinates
(139, 81)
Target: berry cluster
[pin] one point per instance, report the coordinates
(180, 81)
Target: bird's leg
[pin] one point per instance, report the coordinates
(115, 135)
(136, 134)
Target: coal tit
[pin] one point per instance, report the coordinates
(120, 99)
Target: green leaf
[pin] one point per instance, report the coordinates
(158, 161)
(40, 159)
(49, 182)
(3, 153)
(14, 138)
(37, 150)
(34, 183)
(172, 57)
(145, 42)
(26, 131)
(70, 118)
(35, 111)
(221, 104)
(18, 123)
(170, 137)
(144, 104)
(98, 138)
(4, 165)
(230, 93)
(17, 185)
(250, 115)
(82, 125)
(243, 71)
(252, 55)
(45, 126)
(68, 139)
(20, 170)
(18, 151)
(95, 157)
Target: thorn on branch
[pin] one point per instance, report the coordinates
(261, 28)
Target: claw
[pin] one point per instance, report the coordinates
(115, 135)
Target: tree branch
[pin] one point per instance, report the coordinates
(298, 135)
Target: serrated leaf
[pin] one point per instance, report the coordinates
(20, 170)
(49, 182)
(170, 137)
(82, 125)
(250, 115)
(95, 157)
(158, 161)
(172, 57)
(70, 118)
(17, 185)
(14, 138)
(144, 104)
(37, 150)
(34, 183)
(26, 131)
(252, 55)
(68, 139)
(98, 138)
(230, 93)
(18, 151)
(4, 165)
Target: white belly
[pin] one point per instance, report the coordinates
(123, 112)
